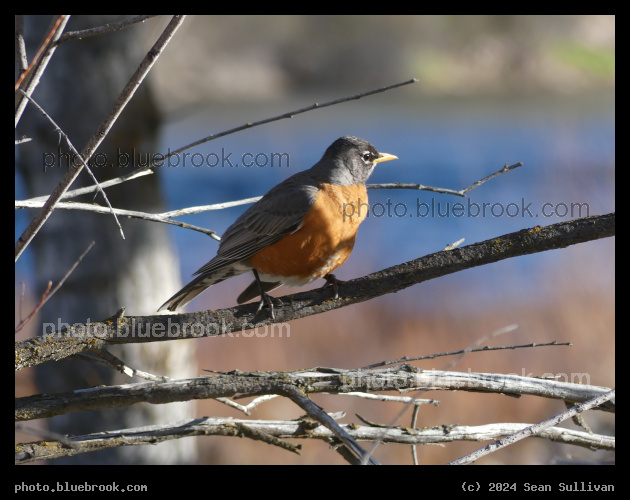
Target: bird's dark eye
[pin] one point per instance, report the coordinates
(367, 156)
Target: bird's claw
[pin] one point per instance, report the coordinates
(267, 300)
(332, 281)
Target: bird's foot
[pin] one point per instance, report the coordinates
(332, 281)
(267, 300)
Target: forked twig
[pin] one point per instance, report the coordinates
(460, 192)
(77, 155)
(535, 429)
(46, 296)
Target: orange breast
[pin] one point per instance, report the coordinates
(325, 239)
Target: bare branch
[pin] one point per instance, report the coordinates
(315, 381)
(100, 30)
(133, 214)
(80, 337)
(282, 429)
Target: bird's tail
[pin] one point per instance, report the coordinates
(198, 285)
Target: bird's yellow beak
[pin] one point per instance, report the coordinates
(385, 157)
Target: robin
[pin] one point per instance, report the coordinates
(301, 230)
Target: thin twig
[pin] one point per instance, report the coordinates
(535, 429)
(46, 296)
(77, 155)
(42, 299)
(208, 208)
(39, 62)
(20, 46)
(390, 399)
(455, 244)
(290, 114)
(23, 140)
(22, 295)
(103, 357)
(118, 211)
(450, 365)
(506, 168)
(161, 158)
(250, 406)
(406, 359)
(414, 421)
(90, 189)
(460, 192)
(100, 30)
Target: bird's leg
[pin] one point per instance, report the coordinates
(265, 298)
(331, 280)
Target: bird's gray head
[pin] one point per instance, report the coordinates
(348, 160)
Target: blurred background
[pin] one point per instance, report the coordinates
(492, 90)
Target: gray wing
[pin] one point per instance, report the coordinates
(278, 213)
